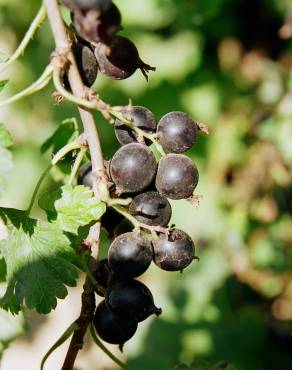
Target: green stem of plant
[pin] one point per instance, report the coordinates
(133, 220)
(38, 185)
(39, 84)
(106, 351)
(118, 201)
(65, 150)
(140, 132)
(76, 165)
(67, 95)
(39, 18)
(68, 332)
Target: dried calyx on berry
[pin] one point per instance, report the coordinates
(95, 26)
(140, 117)
(120, 58)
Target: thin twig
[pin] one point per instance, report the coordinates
(63, 48)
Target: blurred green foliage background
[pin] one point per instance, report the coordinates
(228, 64)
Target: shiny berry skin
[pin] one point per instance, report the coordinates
(130, 255)
(133, 168)
(173, 252)
(130, 300)
(177, 132)
(151, 208)
(110, 328)
(177, 176)
(140, 117)
(120, 58)
(86, 63)
(95, 27)
(85, 176)
(101, 5)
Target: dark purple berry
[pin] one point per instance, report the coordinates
(124, 227)
(85, 176)
(120, 59)
(140, 117)
(95, 27)
(131, 300)
(151, 208)
(130, 255)
(103, 273)
(177, 132)
(133, 168)
(110, 220)
(101, 5)
(86, 63)
(177, 176)
(110, 328)
(173, 252)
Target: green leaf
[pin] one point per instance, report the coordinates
(3, 83)
(5, 137)
(47, 203)
(77, 207)
(39, 266)
(65, 133)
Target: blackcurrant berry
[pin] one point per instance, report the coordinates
(103, 273)
(110, 220)
(85, 176)
(177, 176)
(129, 299)
(133, 168)
(120, 59)
(124, 227)
(151, 208)
(140, 117)
(86, 63)
(130, 255)
(94, 26)
(173, 252)
(101, 5)
(177, 132)
(110, 328)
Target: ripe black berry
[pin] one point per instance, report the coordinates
(120, 59)
(173, 252)
(130, 255)
(110, 328)
(177, 176)
(140, 117)
(85, 176)
(101, 5)
(131, 300)
(86, 63)
(177, 132)
(94, 26)
(103, 273)
(151, 208)
(133, 168)
(110, 220)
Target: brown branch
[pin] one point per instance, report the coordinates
(63, 48)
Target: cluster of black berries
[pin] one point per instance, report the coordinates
(96, 46)
(134, 172)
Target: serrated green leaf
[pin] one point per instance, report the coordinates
(77, 207)
(65, 133)
(47, 203)
(3, 83)
(39, 266)
(5, 137)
